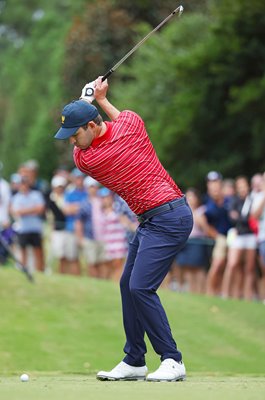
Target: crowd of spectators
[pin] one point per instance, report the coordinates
(73, 225)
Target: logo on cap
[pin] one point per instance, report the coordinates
(75, 114)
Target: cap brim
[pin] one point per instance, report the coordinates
(65, 133)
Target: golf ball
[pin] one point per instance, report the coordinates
(24, 378)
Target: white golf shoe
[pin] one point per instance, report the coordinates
(123, 372)
(169, 370)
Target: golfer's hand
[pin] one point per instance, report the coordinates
(101, 89)
(88, 92)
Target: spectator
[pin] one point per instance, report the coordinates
(30, 170)
(256, 184)
(258, 212)
(114, 237)
(127, 218)
(27, 207)
(242, 249)
(195, 256)
(229, 190)
(14, 183)
(55, 204)
(62, 170)
(5, 196)
(256, 194)
(72, 200)
(89, 229)
(217, 215)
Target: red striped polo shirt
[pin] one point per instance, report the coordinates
(124, 160)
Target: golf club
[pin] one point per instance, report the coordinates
(18, 265)
(88, 90)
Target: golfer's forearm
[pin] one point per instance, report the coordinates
(111, 111)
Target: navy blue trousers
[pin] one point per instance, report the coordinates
(150, 256)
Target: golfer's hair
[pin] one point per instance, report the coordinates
(98, 120)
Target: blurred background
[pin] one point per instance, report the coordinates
(198, 83)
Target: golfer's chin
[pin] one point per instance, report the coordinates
(82, 147)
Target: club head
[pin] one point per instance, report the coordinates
(181, 9)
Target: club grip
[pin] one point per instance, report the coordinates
(107, 75)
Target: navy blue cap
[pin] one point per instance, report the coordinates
(75, 114)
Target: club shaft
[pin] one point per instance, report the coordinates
(178, 10)
(18, 264)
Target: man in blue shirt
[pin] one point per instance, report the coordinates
(72, 201)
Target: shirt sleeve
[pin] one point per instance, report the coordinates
(129, 122)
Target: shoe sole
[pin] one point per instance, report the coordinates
(108, 378)
(178, 379)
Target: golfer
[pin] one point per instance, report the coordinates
(121, 157)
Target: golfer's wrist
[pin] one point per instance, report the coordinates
(102, 100)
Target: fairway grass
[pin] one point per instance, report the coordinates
(67, 328)
(87, 387)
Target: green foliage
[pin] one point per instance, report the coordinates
(200, 88)
(198, 83)
(163, 96)
(31, 77)
(100, 35)
(153, 11)
(231, 77)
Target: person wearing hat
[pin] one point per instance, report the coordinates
(217, 214)
(119, 154)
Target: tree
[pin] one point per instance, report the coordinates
(32, 89)
(158, 87)
(96, 41)
(199, 85)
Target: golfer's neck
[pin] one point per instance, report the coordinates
(103, 129)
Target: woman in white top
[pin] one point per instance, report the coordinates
(258, 212)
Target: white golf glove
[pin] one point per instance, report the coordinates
(88, 92)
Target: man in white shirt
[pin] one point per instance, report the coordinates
(5, 196)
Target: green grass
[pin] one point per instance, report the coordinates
(63, 329)
(82, 387)
(73, 325)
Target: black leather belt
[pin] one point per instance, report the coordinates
(159, 209)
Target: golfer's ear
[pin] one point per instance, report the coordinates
(91, 124)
